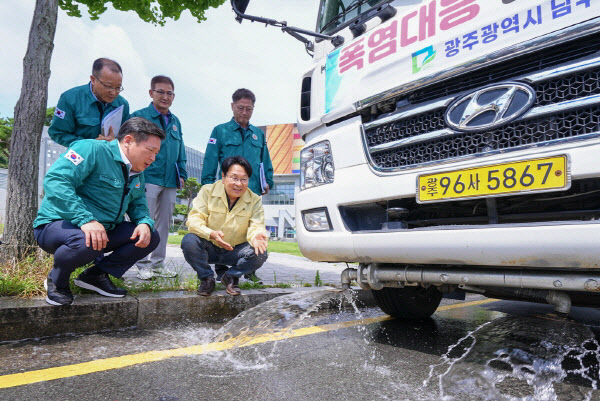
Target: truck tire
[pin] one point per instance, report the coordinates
(408, 302)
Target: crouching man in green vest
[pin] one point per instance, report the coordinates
(88, 190)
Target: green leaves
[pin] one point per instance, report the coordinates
(156, 12)
(6, 128)
(190, 189)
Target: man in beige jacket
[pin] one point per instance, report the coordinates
(227, 226)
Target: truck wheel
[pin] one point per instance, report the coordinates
(408, 302)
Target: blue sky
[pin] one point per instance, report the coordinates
(207, 61)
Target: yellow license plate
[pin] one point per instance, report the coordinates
(537, 175)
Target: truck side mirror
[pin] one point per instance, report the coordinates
(239, 7)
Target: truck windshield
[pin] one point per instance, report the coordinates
(334, 13)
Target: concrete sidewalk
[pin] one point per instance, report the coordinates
(34, 318)
(279, 268)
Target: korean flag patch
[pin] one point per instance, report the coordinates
(59, 113)
(213, 141)
(74, 157)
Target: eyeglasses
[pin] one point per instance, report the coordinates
(110, 88)
(237, 179)
(162, 92)
(242, 108)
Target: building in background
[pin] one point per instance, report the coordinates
(284, 143)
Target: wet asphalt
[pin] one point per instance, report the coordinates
(496, 350)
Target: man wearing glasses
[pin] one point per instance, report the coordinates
(227, 226)
(80, 110)
(239, 138)
(165, 175)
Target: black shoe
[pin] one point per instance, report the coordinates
(57, 296)
(99, 283)
(220, 270)
(231, 284)
(207, 286)
(253, 277)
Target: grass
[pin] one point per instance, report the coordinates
(25, 279)
(291, 248)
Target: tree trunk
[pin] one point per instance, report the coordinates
(30, 112)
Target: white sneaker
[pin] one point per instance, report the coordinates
(145, 273)
(164, 271)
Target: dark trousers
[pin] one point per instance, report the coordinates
(200, 253)
(67, 243)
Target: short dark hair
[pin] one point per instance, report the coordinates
(161, 79)
(102, 62)
(239, 160)
(140, 129)
(243, 93)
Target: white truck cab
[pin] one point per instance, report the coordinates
(453, 145)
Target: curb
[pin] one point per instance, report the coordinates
(33, 318)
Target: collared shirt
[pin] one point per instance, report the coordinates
(79, 114)
(171, 160)
(240, 126)
(165, 117)
(126, 161)
(88, 182)
(93, 94)
(230, 139)
(211, 212)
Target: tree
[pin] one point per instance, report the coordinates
(188, 192)
(22, 194)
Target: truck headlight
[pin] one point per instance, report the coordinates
(316, 220)
(316, 165)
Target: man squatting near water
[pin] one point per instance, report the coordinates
(87, 193)
(227, 227)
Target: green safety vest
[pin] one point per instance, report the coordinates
(226, 141)
(171, 159)
(78, 115)
(89, 182)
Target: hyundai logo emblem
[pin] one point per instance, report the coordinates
(490, 107)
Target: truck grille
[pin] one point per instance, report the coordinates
(557, 126)
(567, 105)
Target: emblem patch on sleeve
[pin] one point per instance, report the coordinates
(74, 157)
(213, 141)
(59, 113)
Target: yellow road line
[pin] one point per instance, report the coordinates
(466, 304)
(100, 365)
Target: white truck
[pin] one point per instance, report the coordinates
(453, 146)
